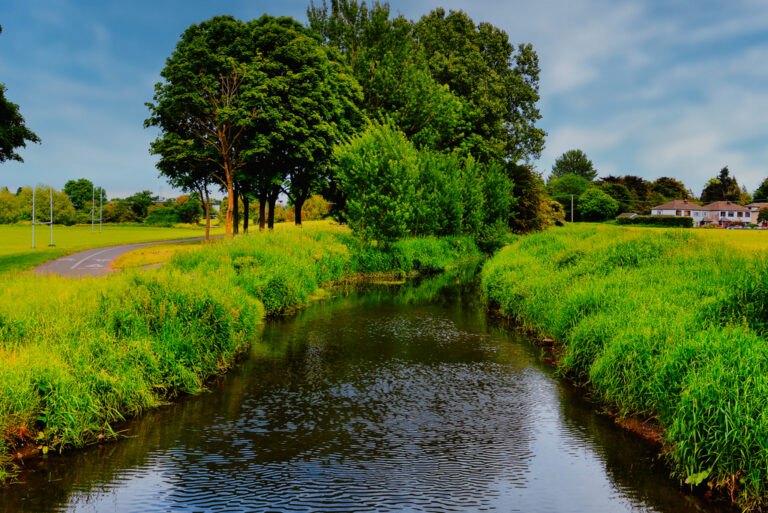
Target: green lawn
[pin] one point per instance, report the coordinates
(16, 253)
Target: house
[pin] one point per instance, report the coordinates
(627, 214)
(755, 209)
(721, 212)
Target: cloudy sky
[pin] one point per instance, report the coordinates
(653, 88)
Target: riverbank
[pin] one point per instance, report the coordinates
(82, 355)
(668, 325)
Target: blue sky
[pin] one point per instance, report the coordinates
(668, 88)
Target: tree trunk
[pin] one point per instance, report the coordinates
(246, 213)
(262, 213)
(230, 206)
(297, 206)
(271, 216)
(207, 200)
(236, 212)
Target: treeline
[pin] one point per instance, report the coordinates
(574, 184)
(445, 108)
(74, 204)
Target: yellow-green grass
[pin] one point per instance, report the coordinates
(16, 253)
(80, 355)
(152, 256)
(662, 323)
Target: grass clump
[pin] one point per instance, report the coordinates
(664, 324)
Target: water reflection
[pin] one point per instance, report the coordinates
(388, 399)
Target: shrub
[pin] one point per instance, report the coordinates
(668, 221)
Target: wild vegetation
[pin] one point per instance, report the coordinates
(82, 355)
(668, 325)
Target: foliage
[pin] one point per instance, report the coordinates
(394, 190)
(620, 193)
(14, 133)
(686, 347)
(377, 172)
(762, 216)
(721, 188)
(595, 205)
(567, 190)
(82, 192)
(498, 84)
(574, 162)
(761, 193)
(186, 209)
(534, 210)
(63, 211)
(670, 188)
(671, 221)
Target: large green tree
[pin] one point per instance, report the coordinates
(574, 162)
(212, 93)
(595, 205)
(14, 133)
(313, 98)
(83, 194)
(670, 188)
(497, 82)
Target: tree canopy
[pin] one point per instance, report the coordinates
(574, 162)
(723, 187)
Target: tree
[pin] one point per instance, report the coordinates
(566, 190)
(313, 100)
(670, 188)
(140, 202)
(393, 72)
(762, 216)
(595, 205)
(211, 95)
(574, 162)
(82, 192)
(377, 172)
(761, 194)
(498, 85)
(721, 188)
(620, 193)
(13, 130)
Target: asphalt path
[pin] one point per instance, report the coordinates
(95, 262)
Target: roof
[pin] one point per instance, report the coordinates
(679, 205)
(725, 205)
(757, 205)
(627, 214)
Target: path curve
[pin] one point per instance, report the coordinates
(97, 261)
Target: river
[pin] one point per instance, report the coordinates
(389, 397)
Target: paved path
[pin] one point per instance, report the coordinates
(95, 262)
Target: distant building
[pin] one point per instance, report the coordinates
(723, 213)
(755, 209)
(627, 214)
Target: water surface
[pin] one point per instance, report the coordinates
(392, 398)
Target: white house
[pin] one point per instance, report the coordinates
(720, 212)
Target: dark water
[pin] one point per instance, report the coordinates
(396, 398)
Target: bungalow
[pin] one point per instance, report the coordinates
(720, 212)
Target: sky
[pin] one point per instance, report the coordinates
(652, 88)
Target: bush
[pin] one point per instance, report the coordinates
(595, 205)
(674, 221)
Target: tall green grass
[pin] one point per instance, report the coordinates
(80, 355)
(664, 324)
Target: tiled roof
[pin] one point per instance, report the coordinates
(725, 205)
(679, 205)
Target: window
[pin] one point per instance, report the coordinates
(739, 214)
(730, 214)
(688, 213)
(722, 214)
(677, 212)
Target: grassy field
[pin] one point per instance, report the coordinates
(666, 324)
(16, 253)
(91, 352)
